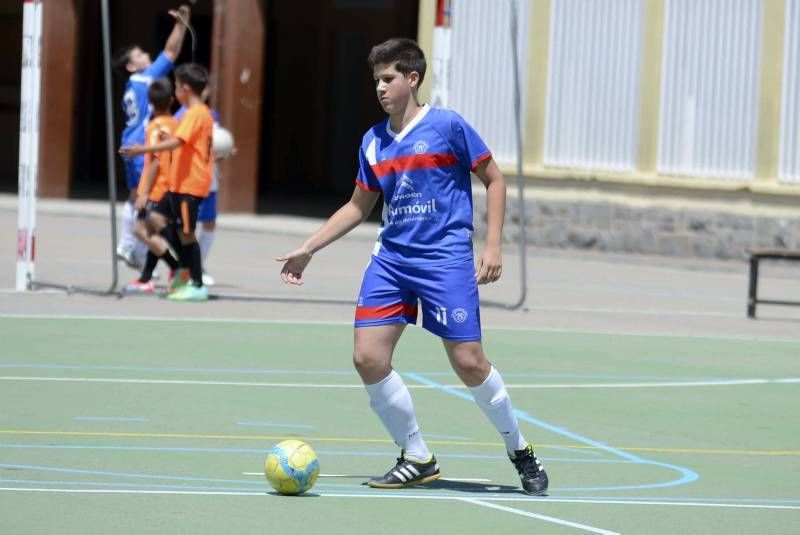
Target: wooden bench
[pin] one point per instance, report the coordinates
(756, 256)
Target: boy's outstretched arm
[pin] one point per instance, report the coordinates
(172, 48)
(345, 219)
(490, 263)
(170, 143)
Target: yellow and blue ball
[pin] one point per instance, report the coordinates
(291, 467)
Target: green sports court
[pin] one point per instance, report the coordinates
(653, 146)
(638, 433)
(653, 402)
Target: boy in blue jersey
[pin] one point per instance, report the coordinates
(420, 159)
(136, 62)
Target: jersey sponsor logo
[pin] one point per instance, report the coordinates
(459, 315)
(414, 209)
(405, 182)
(420, 147)
(405, 189)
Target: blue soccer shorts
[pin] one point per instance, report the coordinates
(448, 296)
(208, 208)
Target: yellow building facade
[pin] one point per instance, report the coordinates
(696, 101)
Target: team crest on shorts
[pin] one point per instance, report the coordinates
(459, 315)
(420, 147)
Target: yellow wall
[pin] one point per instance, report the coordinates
(766, 182)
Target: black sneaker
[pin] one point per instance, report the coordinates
(407, 473)
(533, 477)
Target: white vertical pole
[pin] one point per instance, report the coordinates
(440, 87)
(28, 141)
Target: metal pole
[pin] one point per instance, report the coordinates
(110, 153)
(523, 265)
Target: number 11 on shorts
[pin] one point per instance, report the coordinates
(441, 315)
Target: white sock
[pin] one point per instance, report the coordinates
(126, 238)
(492, 397)
(391, 401)
(206, 240)
(140, 251)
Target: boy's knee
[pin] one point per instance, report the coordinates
(471, 366)
(370, 365)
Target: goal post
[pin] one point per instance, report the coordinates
(30, 91)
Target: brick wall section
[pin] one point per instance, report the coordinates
(661, 230)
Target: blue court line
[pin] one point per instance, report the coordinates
(263, 451)
(114, 418)
(687, 475)
(270, 424)
(348, 373)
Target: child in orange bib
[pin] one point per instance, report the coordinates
(190, 172)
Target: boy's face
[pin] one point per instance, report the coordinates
(138, 60)
(182, 92)
(393, 89)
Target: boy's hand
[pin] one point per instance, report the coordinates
(296, 262)
(129, 151)
(182, 14)
(490, 265)
(141, 202)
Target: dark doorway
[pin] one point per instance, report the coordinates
(319, 97)
(10, 74)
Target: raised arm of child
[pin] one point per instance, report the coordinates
(345, 219)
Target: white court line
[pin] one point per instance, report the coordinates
(521, 499)
(264, 321)
(546, 518)
(456, 479)
(662, 384)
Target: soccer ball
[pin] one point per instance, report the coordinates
(222, 140)
(291, 467)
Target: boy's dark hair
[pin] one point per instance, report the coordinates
(404, 53)
(160, 94)
(123, 56)
(193, 75)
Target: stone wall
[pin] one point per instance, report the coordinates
(672, 228)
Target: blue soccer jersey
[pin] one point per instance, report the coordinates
(136, 106)
(424, 175)
(134, 101)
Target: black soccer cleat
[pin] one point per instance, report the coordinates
(407, 473)
(532, 475)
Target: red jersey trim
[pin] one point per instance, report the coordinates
(367, 187)
(386, 311)
(480, 159)
(412, 162)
